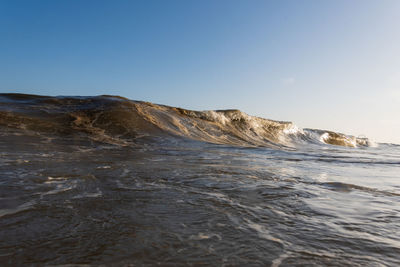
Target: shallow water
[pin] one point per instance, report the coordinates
(109, 181)
(168, 201)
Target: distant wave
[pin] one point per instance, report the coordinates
(117, 120)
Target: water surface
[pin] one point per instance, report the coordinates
(70, 198)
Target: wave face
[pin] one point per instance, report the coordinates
(117, 120)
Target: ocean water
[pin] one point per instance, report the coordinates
(109, 181)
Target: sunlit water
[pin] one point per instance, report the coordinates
(175, 202)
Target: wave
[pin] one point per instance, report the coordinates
(117, 120)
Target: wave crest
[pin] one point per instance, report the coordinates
(118, 120)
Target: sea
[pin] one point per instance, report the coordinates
(108, 181)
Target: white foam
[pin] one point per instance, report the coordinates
(262, 231)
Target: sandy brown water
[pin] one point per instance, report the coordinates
(70, 197)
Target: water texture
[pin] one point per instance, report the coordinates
(109, 181)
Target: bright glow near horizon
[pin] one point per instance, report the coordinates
(322, 64)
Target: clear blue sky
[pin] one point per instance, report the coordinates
(321, 64)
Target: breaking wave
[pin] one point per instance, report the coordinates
(117, 120)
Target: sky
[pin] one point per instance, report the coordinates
(331, 65)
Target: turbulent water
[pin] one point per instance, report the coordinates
(109, 181)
